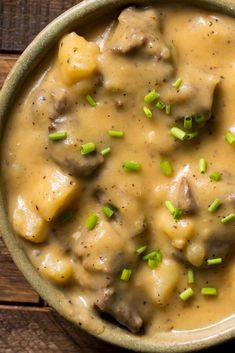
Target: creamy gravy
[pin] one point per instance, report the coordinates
(52, 189)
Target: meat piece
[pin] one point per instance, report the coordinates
(120, 309)
(68, 157)
(139, 30)
(61, 100)
(194, 97)
(103, 249)
(185, 198)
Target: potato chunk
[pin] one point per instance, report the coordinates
(77, 58)
(28, 223)
(54, 192)
(57, 268)
(178, 231)
(159, 283)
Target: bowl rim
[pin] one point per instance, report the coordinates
(21, 71)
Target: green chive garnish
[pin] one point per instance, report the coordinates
(148, 113)
(188, 122)
(228, 218)
(131, 166)
(177, 83)
(202, 166)
(175, 212)
(88, 148)
(215, 205)
(115, 133)
(161, 105)
(141, 250)
(108, 211)
(168, 109)
(208, 291)
(91, 101)
(166, 167)
(105, 151)
(191, 276)
(178, 133)
(216, 261)
(199, 119)
(125, 275)
(151, 96)
(59, 135)
(230, 138)
(92, 221)
(154, 258)
(191, 135)
(186, 294)
(215, 176)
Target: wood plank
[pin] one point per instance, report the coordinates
(39, 330)
(13, 286)
(6, 63)
(21, 20)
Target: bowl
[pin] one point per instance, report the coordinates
(81, 14)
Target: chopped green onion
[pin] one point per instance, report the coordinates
(228, 218)
(216, 261)
(108, 211)
(215, 176)
(186, 294)
(115, 133)
(168, 109)
(92, 221)
(151, 96)
(191, 135)
(125, 275)
(156, 254)
(59, 135)
(215, 205)
(202, 166)
(141, 250)
(230, 138)
(166, 167)
(153, 258)
(91, 101)
(188, 122)
(147, 112)
(200, 119)
(88, 148)
(66, 216)
(175, 212)
(208, 291)
(177, 83)
(191, 276)
(131, 166)
(178, 133)
(161, 105)
(105, 151)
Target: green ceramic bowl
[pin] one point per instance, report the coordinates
(82, 14)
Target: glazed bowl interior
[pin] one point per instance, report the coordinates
(84, 14)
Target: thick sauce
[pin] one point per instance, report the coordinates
(52, 188)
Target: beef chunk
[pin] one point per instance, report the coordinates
(185, 199)
(139, 30)
(70, 159)
(110, 302)
(194, 97)
(61, 100)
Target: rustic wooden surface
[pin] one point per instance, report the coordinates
(27, 325)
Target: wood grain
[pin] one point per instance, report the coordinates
(21, 20)
(13, 286)
(6, 63)
(40, 330)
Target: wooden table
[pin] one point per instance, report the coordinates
(27, 324)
